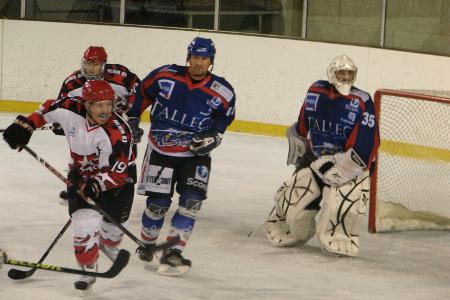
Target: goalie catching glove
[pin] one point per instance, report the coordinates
(338, 169)
(203, 143)
(18, 134)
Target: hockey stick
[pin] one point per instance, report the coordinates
(45, 164)
(20, 274)
(114, 270)
(260, 226)
(147, 248)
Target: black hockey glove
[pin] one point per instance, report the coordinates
(90, 188)
(74, 178)
(18, 134)
(137, 132)
(203, 143)
(57, 129)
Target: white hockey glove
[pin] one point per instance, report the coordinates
(297, 145)
(338, 169)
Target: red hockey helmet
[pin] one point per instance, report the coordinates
(94, 54)
(97, 90)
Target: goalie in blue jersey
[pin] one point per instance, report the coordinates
(190, 110)
(333, 146)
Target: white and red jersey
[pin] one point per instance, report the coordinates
(103, 153)
(121, 79)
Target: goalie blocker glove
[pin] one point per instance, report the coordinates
(18, 134)
(137, 132)
(203, 143)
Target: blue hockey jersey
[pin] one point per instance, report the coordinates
(180, 108)
(333, 123)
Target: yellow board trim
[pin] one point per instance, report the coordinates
(18, 106)
(415, 151)
(237, 125)
(387, 146)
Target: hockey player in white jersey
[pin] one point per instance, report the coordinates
(100, 143)
(94, 66)
(333, 146)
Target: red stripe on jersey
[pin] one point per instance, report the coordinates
(301, 127)
(171, 149)
(36, 117)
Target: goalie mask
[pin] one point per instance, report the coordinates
(342, 74)
(93, 63)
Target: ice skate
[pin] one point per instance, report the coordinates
(146, 256)
(85, 282)
(173, 263)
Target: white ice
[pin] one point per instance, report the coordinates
(246, 171)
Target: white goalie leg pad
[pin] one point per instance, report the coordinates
(291, 224)
(343, 209)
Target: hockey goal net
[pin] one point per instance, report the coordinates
(410, 187)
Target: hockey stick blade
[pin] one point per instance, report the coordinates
(172, 242)
(162, 246)
(20, 274)
(120, 263)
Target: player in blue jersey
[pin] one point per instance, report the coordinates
(190, 110)
(333, 146)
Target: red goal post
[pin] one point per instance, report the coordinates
(410, 187)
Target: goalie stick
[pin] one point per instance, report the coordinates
(114, 270)
(21, 274)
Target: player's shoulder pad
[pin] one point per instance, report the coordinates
(222, 87)
(117, 127)
(116, 69)
(166, 69)
(74, 76)
(360, 93)
(74, 104)
(175, 69)
(321, 84)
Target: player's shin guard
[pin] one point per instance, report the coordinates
(86, 228)
(153, 218)
(343, 209)
(183, 220)
(110, 238)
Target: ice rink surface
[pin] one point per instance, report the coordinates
(246, 171)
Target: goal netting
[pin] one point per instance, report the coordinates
(411, 185)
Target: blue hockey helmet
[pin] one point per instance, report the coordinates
(201, 47)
